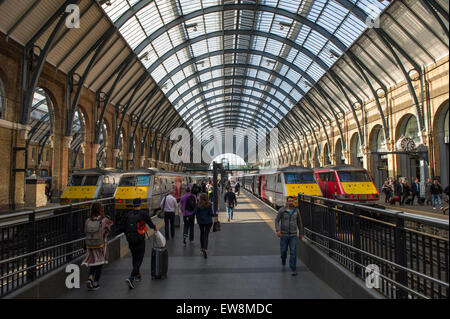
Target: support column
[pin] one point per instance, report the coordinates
(64, 168)
(93, 157)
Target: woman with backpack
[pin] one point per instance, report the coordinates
(204, 213)
(97, 227)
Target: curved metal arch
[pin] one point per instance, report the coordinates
(203, 115)
(240, 7)
(231, 77)
(223, 87)
(232, 51)
(220, 115)
(268, 35)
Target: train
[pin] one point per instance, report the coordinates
(89, 184)
(150, 185)
(346, 183)
(274, 186)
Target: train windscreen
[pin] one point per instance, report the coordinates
(133, 180)
(354, 176)
(90, 181)
(299, 178)
(76, 180)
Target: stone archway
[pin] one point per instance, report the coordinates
(339, 153)
(378, 149)
(441, 143)
(356, 155)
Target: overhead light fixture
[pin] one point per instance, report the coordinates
(102, 2)
(193, 26)
(307, 84)
(164, 86)
(144, 56)
(285, 24)
(201, 62)
(269, 62)
(334, 54)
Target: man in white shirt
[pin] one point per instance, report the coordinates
(168, 206)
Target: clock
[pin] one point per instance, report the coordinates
(407, 144)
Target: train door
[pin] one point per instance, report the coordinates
(331, 185)
(322, 179)
(263, 187)
(280, 189)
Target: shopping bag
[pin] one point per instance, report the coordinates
(216, 226)
(159, 241)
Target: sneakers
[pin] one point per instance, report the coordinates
(90, 284)
(228, 219)
(434, 208)
(130, 282)
(184, 242)
(283, 262)
(138, 278)
(205, 254)
(96, 287)
(294, 273)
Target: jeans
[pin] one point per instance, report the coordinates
(169, 217)
(291, 242)
(137, 253)
(436, 198)
(188, 227)
(204, 234)
(95, 272)
(230, 211)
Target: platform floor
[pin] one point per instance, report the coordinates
(243, 262)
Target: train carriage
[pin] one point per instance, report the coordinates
(89, 184)
(346, 183)
(276, 185)
(150, 185)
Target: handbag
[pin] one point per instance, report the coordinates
(216, 225)
(161, 212)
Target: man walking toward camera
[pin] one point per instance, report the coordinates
(287, 222)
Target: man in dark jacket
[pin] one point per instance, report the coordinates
(237, 188)
(415, 191)
(230, 202)
(406, 191)
(133, 225)
(287, 222)
(436, 191)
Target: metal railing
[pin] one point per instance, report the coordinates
(409, 263)
(35, 242)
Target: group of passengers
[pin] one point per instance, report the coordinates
(195, 204)
(404, 193)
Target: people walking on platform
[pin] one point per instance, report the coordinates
(436, 191)
(387, 190)
(97, 228)
(415, 191)
(188, 203)
(446, 192)
(204, 213)
(168, 206)
(195, 190)
(237, 188)
(406, 191)
(203, 187)
(428, 184)
(133, 225)
(230, 202)
(288, 225)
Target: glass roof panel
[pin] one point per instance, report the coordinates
(147, 28)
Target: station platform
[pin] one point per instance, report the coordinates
(243, 262)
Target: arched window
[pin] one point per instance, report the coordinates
(380, 142)
(2, 100)
(411, 129)
(78, 132)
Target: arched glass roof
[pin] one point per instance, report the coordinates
(239, 63)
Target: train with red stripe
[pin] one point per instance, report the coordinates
(346, 183)
(274, 186)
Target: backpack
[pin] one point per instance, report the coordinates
(94, 236)
(230, 199)
(135, 227)
(190, 203)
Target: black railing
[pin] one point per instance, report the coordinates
(408, 262)
(35, 242)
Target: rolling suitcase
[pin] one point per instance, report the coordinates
(177, 221)
(394, 199)
(160, 262)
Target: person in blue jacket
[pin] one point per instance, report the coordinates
(204, 214)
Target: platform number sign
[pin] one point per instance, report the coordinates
(372, 276)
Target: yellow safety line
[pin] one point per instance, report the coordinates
(267, 219)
